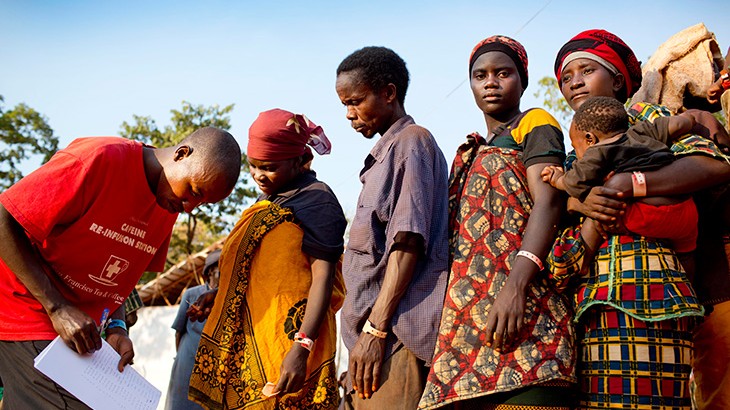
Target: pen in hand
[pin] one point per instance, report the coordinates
(193, 306)
(104, 321)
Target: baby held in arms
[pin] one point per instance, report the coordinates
(604, 144)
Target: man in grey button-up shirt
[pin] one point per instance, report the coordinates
(396, 261)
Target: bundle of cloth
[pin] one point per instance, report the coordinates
(682, 67)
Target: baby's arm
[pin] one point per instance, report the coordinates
(716, 89)
(706, 125)
(680, 125)
(553, 175)
(715, 92)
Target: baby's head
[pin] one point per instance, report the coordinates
(278, 148)
(596, 119)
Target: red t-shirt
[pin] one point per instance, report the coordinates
(93, 219)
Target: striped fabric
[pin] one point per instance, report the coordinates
(634, 308)
(481, 406)
(689, 145)
(645, 111)
(514, 407)
(640, 276)
(629, 363)
(133, 302)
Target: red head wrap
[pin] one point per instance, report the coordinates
(608, 47)
(511, 47)
(277, 135)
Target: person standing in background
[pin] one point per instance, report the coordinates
(187, 337)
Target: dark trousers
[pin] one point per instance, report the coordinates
(26, 387)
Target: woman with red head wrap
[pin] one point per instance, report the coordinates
(505, 339)
(278, 147)
(270, 339)
(278, 135)
(635, 305)
(609, 52)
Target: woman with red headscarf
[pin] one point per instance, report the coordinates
(635, 306)
(505, 339)
(270, 339)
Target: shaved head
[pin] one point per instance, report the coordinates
(217, 150)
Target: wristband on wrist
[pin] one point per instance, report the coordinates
(725, 79)
(117, 323)
(302, 339)
(369, 329)
(531, 256)
(638, 184)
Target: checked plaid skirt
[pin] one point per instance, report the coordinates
(629, 363)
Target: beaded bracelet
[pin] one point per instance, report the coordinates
(531, 256)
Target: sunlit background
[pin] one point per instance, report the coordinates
(88, 66)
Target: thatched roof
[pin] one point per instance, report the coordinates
(167, 287)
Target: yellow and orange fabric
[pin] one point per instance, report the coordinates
(265, 280)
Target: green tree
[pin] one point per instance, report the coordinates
(553, 101)
(204, 225)
(23, 133)
(720, 116)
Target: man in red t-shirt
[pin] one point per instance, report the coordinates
(78, 233)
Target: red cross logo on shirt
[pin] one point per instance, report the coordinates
(114, 266)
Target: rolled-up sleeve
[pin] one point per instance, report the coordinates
(413, 196)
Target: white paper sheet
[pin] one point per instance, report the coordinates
(95, 380)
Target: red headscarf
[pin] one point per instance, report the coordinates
(607, 47)
(277, 135)
(511, 47)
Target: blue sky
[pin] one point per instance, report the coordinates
(90, 65)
